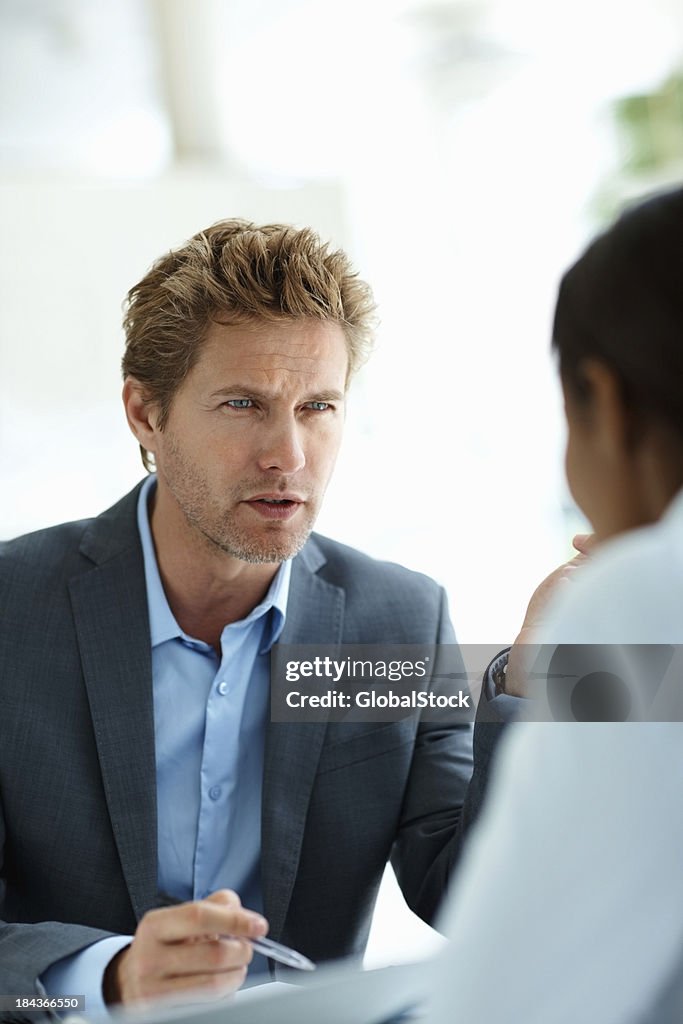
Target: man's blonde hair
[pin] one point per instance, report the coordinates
(235, 272)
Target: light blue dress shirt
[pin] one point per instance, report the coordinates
(210, 717)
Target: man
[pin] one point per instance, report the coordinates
(137, 758)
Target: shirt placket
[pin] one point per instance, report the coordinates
(220, 763)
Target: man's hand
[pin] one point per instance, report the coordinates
(182, 949)
(516, 674)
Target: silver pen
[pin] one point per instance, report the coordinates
(283, 954)
(268, 947)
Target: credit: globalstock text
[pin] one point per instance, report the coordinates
(371, 699)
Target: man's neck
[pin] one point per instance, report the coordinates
(206, 589)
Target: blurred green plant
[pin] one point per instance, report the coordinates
(650, 127)
(649, 131)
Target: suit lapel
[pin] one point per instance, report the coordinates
(315, 614)
(112, 626)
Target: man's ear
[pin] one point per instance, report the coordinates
(611, 422)
(141, 414)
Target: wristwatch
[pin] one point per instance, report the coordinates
(497, 670)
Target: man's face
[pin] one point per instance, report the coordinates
(252, 436)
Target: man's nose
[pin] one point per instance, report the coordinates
(283, 449)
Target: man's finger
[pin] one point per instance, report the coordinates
(202, 918)
(228, 897)
(215, 956)
(216, 984)
(201, 986)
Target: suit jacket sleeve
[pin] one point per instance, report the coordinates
(29, 944)
(27, 950)
(443, 796)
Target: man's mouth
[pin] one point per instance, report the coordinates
(275, 508)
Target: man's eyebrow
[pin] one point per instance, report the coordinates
(324, 395)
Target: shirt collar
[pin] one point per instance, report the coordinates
(162, 621)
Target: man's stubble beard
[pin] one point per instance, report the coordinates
(219, 529)
(238, 542)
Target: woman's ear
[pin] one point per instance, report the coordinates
(611, 422)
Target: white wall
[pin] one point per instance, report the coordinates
(69, 253)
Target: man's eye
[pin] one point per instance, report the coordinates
(239, 403)
(318, 406)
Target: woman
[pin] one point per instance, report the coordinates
(569, 904)
(618, 333)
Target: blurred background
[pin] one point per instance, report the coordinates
(462, 151)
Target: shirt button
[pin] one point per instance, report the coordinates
(223, 688)
(215, 792)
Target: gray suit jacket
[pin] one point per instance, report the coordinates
(78, 853)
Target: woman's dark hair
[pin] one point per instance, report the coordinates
(622, 303)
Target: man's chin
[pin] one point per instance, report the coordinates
(269, 550)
